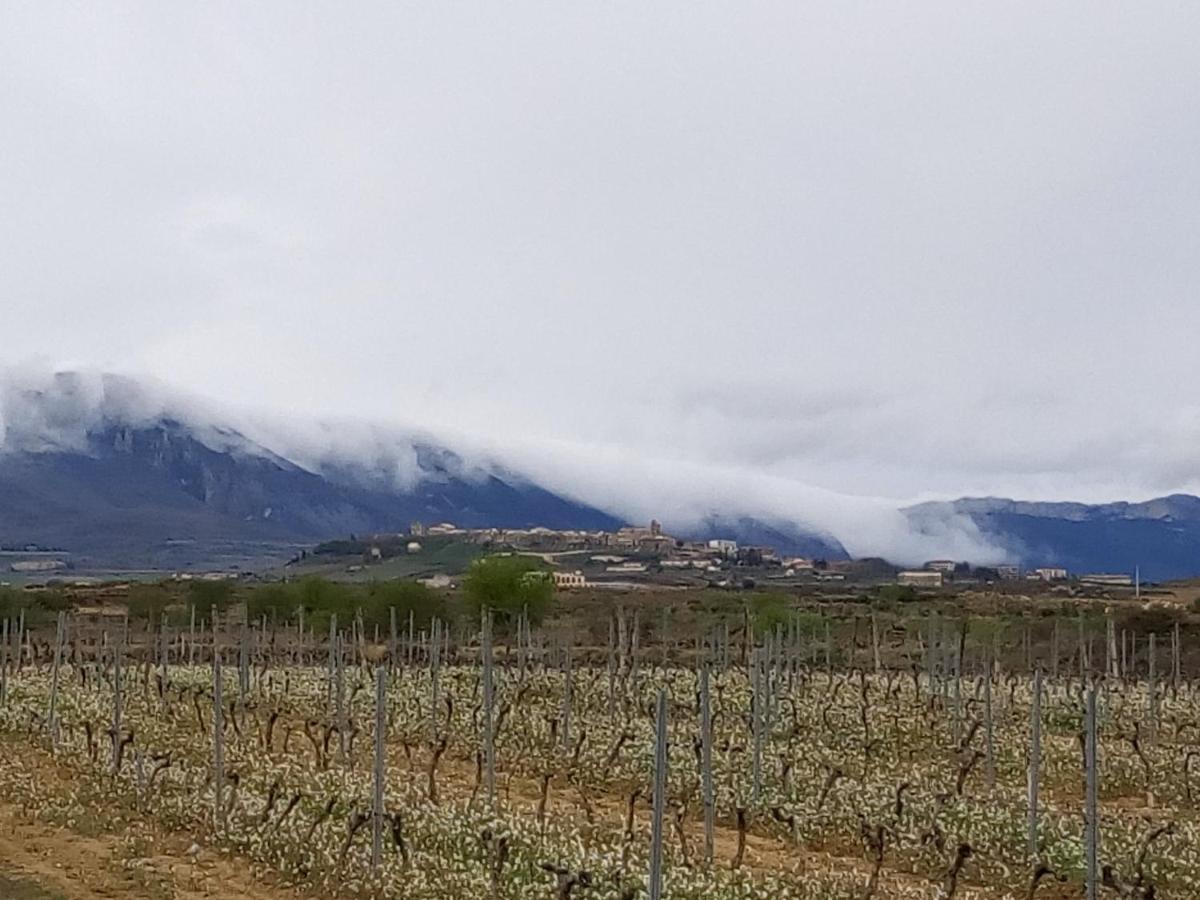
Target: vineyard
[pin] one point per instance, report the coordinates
(495, 761)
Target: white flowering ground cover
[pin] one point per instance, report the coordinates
(870, 785)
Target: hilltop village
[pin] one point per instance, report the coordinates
(646, 556)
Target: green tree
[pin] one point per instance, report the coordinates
(321, 598)
(769, 611)
(423, 602)
(278, 602)
(206, 594)
(147, 602)
(897, 593)
(508, 585)
(12, 601)
(53, 600)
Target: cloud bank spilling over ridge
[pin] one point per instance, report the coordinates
(817, 261)
(43, 411)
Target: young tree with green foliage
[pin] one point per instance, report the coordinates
(147, 603)
(382, 597)
(769, 611)
(278, 602)
(508, 585)
(897, 593)
(207, 594)
(321, 598)
(12, 601)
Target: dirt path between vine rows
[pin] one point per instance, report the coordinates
(44, 862)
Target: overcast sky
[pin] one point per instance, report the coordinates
(867, 250)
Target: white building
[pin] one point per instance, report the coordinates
(1051, 573)
(725, 548)
(1106, 580)
(569, 580)
(38, 565)
(922, 578)
(940, 565)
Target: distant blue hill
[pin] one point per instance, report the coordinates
(1160, 536)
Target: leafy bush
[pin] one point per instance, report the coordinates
(508, 585)
(897, 593)
(275, 601)
(405, 597)
(147, 602)
(768, 612)
(208, 594)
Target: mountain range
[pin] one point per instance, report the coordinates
(104, 470)
(133, 496)
(1159, 538)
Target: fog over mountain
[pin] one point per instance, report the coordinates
(80, 414)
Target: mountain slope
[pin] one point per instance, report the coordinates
(132, 490)
(785, 538)
(1160, 536)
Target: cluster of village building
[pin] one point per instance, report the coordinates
(936, 572)
(636, 551)
(628, 551)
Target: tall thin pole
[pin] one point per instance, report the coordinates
(52, 715)
(1176, 652)
(1153, 684)
(218, 737)
(706, 764)
(1035, 764)
(393, 640)
(489, 734)
(380, 729)
(757, 699)
(435, 645)
(990, 745)
(118, 652)
(1091, 811)
(4, 663)
(655, 889)
(330, 683)
(340, 695)
(568, 686)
